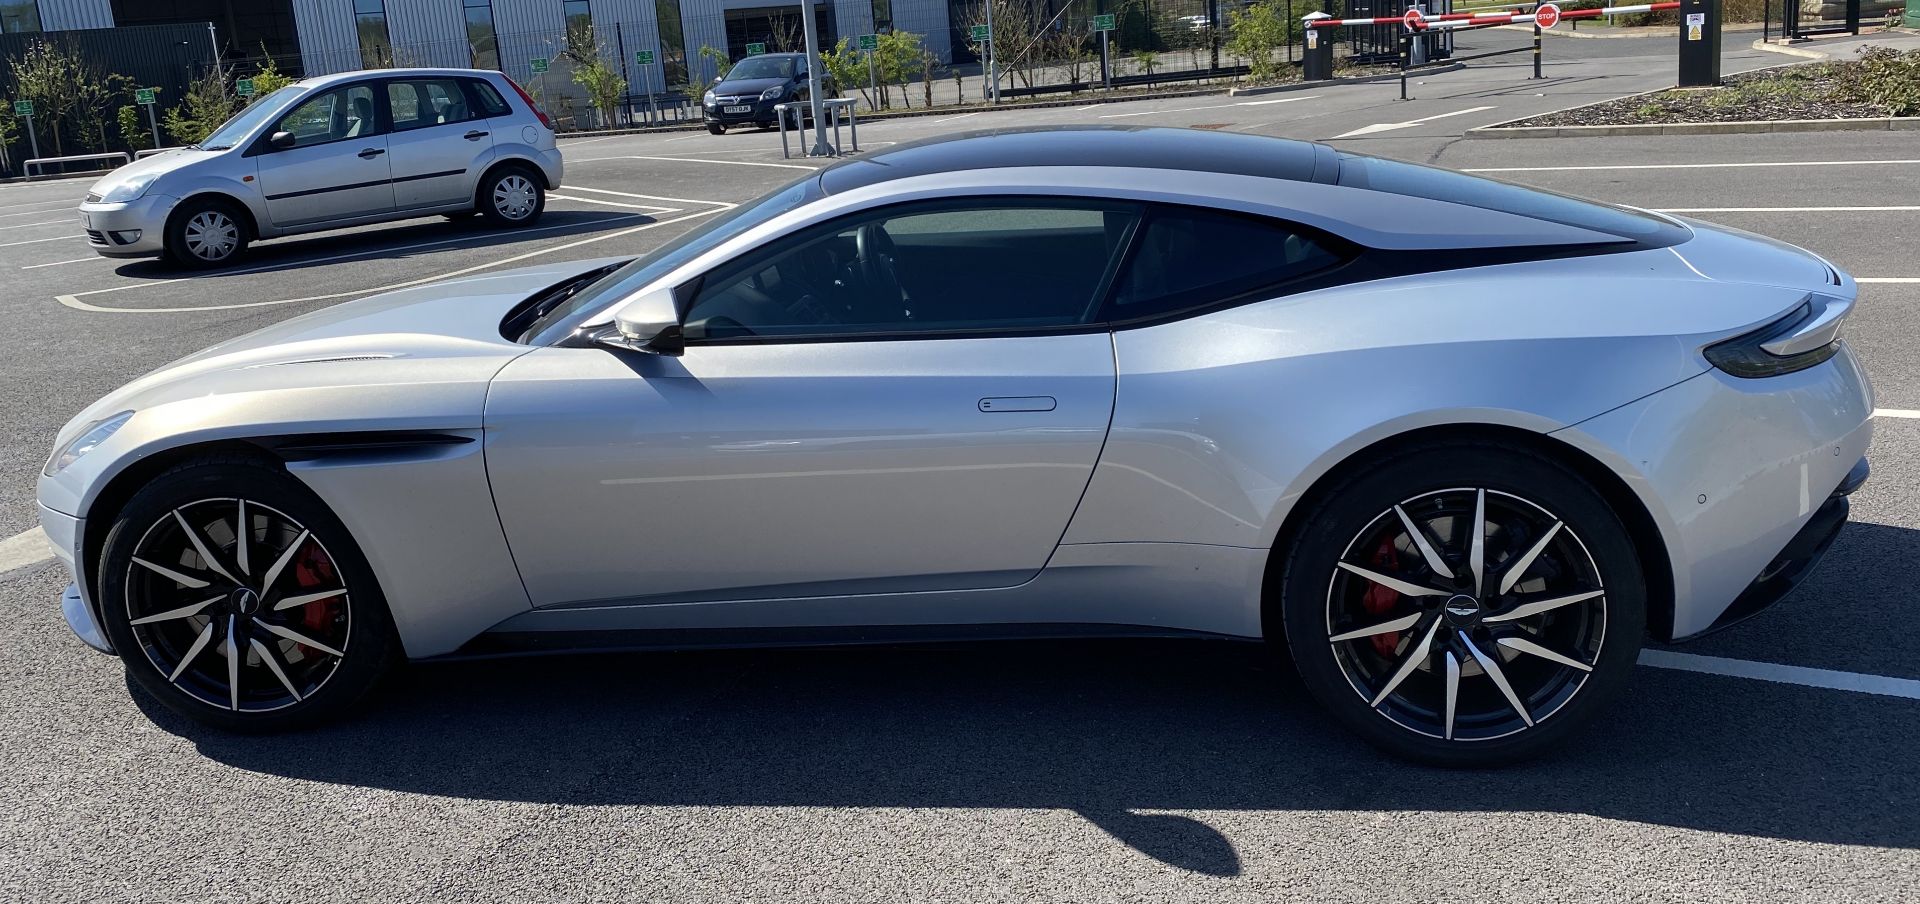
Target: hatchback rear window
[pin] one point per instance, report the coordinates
(1436, 184)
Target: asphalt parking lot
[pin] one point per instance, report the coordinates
(1120, 771)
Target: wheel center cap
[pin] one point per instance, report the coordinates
(245, 601)
(1462, 610)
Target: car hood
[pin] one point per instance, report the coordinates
(753, 86)
(158, 164)
(443, 333)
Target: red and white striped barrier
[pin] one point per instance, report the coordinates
(1548, 15)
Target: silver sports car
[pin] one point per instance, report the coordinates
(1454, 446)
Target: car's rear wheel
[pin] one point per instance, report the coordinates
(205, 233)
(716, 128)
(512, 196)
(1463, 604)
(237, 599)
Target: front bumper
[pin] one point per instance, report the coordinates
(135, 228)
(759, 111)
(63, 534)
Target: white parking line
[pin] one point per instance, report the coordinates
(627, 194)
(1862, 279)
(23, 549)
(1647, 166)
(1788, 209)
(576, 141)
(700, 160)
(652, 207)
(1244, 103)
(57, 238)
(952, 118)
(1783, 674)
(1896, 412)
(1086, 108)
(29, 213)
(77, 260)
(62, 222)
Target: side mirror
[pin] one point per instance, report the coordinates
(282, 140)
(651, 323)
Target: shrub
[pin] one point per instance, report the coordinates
(1258, 33)
(133, 130)
(205, 107)
(1887, 78)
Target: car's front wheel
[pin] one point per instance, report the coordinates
(1464, 603)
(236, 598)
(512, 196)
(205, 233)
(715, 128)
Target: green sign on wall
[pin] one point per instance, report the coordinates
(643, 57)
(244, 87)
(979, 33)
(1103, 22)
(537, 64)
(756, 49)
(143, 95)
(869, 42)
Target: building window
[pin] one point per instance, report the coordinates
(370, 20)
(673, 43)
(482, 45)
(19, 15)
(882, 16)
(579, 16)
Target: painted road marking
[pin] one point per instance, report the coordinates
(1881, 685)
(1390, 126)
(1646, 166)
(652, 207)
(57, 238)
(628, 194)
(1896, 412)
(1086, 108)
(1787, 209)
(23, 549)
(701, 160)
(573, 141)
(73, 301)
(29, 213)
(952, 118)
(69, 221)
(1887, 279)
(77, 260)
(1244, 103)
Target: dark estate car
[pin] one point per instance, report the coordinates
(749, 92)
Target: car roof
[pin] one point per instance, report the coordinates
(330, 79)
(1105, 146)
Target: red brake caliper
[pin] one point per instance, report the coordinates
(1381, 600)
(313, 570)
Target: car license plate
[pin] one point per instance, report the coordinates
(743, 108)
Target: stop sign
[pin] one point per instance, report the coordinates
(1413, 20)
(1547, 15)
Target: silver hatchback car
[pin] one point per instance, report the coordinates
(333, 151)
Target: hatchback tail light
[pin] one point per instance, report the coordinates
(530, 104)
(1806, 336)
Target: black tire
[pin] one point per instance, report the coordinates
(204, 233)
(512, 195)
(1358, 523)
(458, 216)
(284, 683)
(714, 128)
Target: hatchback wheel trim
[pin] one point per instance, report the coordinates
(513, 196)
(1466, 614)
(211, 235)
(225, 630)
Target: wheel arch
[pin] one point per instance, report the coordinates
(498, 164)
(1643, 531)
(248, 218)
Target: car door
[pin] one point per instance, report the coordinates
(438, 143)
(827, 429)
(337, 165)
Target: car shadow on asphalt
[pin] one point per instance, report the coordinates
(1114, 731)
(388, 242)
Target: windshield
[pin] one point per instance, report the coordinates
(234, 130)
(762, 67)
(560, 322)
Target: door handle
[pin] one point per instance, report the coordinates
(1018, 403)
(370, 153)
(475, 135)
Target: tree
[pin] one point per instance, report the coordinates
(928, 60)
(604, 87)
(1147, 59)
(848, 67)
(205, 107)
(1258, 33)
(269, 79)
(897, 58)
(718, 59)
(47, 75)
(132, 130)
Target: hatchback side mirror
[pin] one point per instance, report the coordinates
(282, 140)
(651, 323)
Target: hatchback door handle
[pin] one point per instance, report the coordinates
(370, 153)
(1018, 403)
(474, 135)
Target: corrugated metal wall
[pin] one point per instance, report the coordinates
(428, 33)
(62, 15)
(328, 41)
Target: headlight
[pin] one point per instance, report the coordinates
(89, 439)
(773, 93)
(709, 99)
(130, 189)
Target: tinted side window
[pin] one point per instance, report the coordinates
(484, 98)
(981, 266)
(1189, 258)
(333, 116)
(422, 103)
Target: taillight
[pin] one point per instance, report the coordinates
(529, 101)
(1806, 336)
